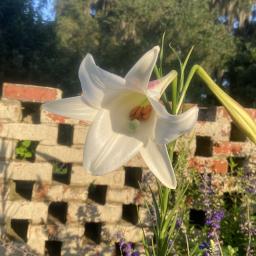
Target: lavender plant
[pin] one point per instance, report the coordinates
(168, 206)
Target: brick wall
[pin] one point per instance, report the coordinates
(74, 213)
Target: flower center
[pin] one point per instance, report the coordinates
(141, 113)
(138, 114)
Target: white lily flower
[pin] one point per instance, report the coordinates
(127, 117)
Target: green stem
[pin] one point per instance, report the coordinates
(218, 242)
(185, 88)
(174, 95)
(249, 227)
(187, 243)
(166, 102)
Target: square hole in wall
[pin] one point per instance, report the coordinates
(31, 112)
(203, 146)
(20, 228)
(130, 213)
(235, 165)
(24, 188)
(61, 172)
(65, 134)
(92, 231)
(57, 212)
(133, 176)
(53, 248)
(197, 217)
(236, 134)
(26, 150)
(207, 114)
(97, 193)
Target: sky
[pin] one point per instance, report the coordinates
(47, 12)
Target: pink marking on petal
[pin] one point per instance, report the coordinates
(153, 84)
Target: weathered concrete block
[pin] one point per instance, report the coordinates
(130, 233)
(30, 93)
(72, 238)
(62, 233)
(222, 114)
(60, 193)
(46, 134)
(7, 148)
(37, 235)
(63, 154)
(125, 195)
(214, 130)
(34, 211)
(21, 170)
(81, 177)
(84, 248)
(92, 212)
(10, 111)
(80, 133)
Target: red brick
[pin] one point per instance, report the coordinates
(227, 148)
(220, 166)
(252, 112)
(47, 117)
(223, 113)
(30, 93)
(209, 164)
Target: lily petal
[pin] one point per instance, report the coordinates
(138, 76)
(73, 107)
(106, 150)
(170, 127)
(157, 159)
(157, 87)
(99, 86)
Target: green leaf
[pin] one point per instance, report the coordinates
(20, 151)
(26, 143)
(28, 155)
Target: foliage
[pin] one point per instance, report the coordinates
(125, 29)
(49, 52)
(24, 150)
(242, 72)
(27, 44)
(60, 169)
(229, 228)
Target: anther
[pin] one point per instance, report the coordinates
(141, 113)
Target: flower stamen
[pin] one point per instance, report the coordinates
(141, 113)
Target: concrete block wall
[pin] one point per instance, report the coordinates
(74, 213)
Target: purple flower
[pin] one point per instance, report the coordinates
(204, 245)
(127, 248)
(214, 220)
(178, 223)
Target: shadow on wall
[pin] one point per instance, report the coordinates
(7, 246)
